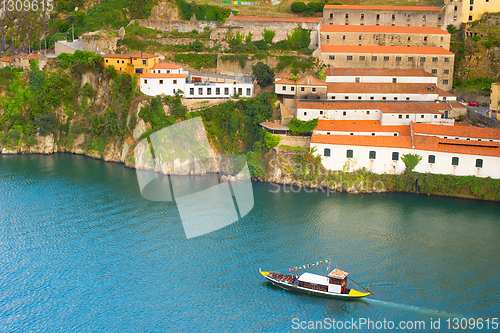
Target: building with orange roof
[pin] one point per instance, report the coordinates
(310, 87)
(455, 150)
(165, 68)
(434, 60)
(414, 16)
(379, 75)
(373, 35)
(132, 64)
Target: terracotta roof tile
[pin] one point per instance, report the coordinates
(456, 131)
(430, 143)
(376, 72)
(416, 50)
(143, 55)
(384, 29)
(279, 19)
(310, 81)
(162, 76)
(119, 56)
(283, 76)
(382, 88)
(285, 81)
(386, 107)
(441, 92)
(402, 8)
(165, 66)
(33, 56)
(363, 140)
(368, 126)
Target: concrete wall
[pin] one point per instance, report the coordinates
(444, 69)
(385, 17)
(383, 162)
(311, 92)
(389, 39)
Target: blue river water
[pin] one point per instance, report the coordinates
(81, 250)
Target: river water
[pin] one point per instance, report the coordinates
(81, 250)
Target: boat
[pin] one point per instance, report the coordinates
(333, 285)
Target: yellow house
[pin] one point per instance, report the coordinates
(495, 101)
(133, 64)
(473, 10)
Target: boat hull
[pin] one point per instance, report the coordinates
(352, 295)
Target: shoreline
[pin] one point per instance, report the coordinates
(334, 187)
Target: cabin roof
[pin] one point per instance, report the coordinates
(314, 278)
(338, 274)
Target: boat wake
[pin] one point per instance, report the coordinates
(412, 308)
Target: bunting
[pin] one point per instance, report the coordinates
(314, 264)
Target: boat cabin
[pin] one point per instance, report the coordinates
(335, 282)
(339, 278)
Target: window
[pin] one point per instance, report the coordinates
(410, 58)
(327, 36)
(384, 98)
(434, 59)
(346, 15)
(161, 81)
(331, 14)
(173, 91)
(139, 71)
(144, 62)
(343, 37)
(373, 134)
(446, 59)
(358, 79)
(424, 17)
(386, 58)
(434, 71)
(293, 88)
(305, 113)
(407, 98)
(360, 37)
(362, 58)
(378, 16)
(376, 37)
(435, 116)
(445, 81)
(145, 81)
(409, 38)
(394, 80)
(249, 91)
(284, 88)
(302, 89)
(200, 91)
(240, 91)
(217, 91)
(471, 8)
(321, 112)
(470, 17)
(374, 58)
(367, 112)
(346, 97)
(106, 60)
(395, 98)
(471, 2)
(344, 113)
(209, 91)
(175, 81)
(372, 155)
(395, 156)
(362, 16)
(359, 97)
(454, 161)
(422, 59)
(479, 163)
(393, 17)
(432, 159)
(400, 116)
(226, 91)
(425, 40)
(398, 58)
(332, 57)
(118, 61)
(327, 152)
(372, 98)
(407, 116)
(314, 89)
(350, 153)
(349, 57)
(422, 116)
(191, 91)
(446, 71)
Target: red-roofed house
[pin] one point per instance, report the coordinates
(163, 68)
(133, 64)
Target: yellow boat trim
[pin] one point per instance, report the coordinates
(265, 274)
(355, 293)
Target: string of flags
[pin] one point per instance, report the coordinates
(299, 268)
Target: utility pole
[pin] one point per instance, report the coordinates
(73, 32)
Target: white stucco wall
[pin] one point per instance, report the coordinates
(383, 79)
(380, 97)
(152, 87)
(226, 90)
(383, 162)
(310, 114)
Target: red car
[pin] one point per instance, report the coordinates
(473, 103)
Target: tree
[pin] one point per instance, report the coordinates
(411, 161)
(298, 7)
(46, 123)
(271, 140)
(263, 73)
(451, 29)
(268, 35)
(197, 46)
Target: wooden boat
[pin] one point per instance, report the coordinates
(334, 285)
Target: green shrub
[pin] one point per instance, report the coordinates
(184, 9)
(268, 36)
(46, 123)
(451, 29)
(302, 127)
(411, 161)
(263, 73)
(298, 7)
(272, 140)
(197, 46)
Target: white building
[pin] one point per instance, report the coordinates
(379, 75)
(456, 150)
(168, 79)
(153, 84)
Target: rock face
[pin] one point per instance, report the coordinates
(165, 11)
